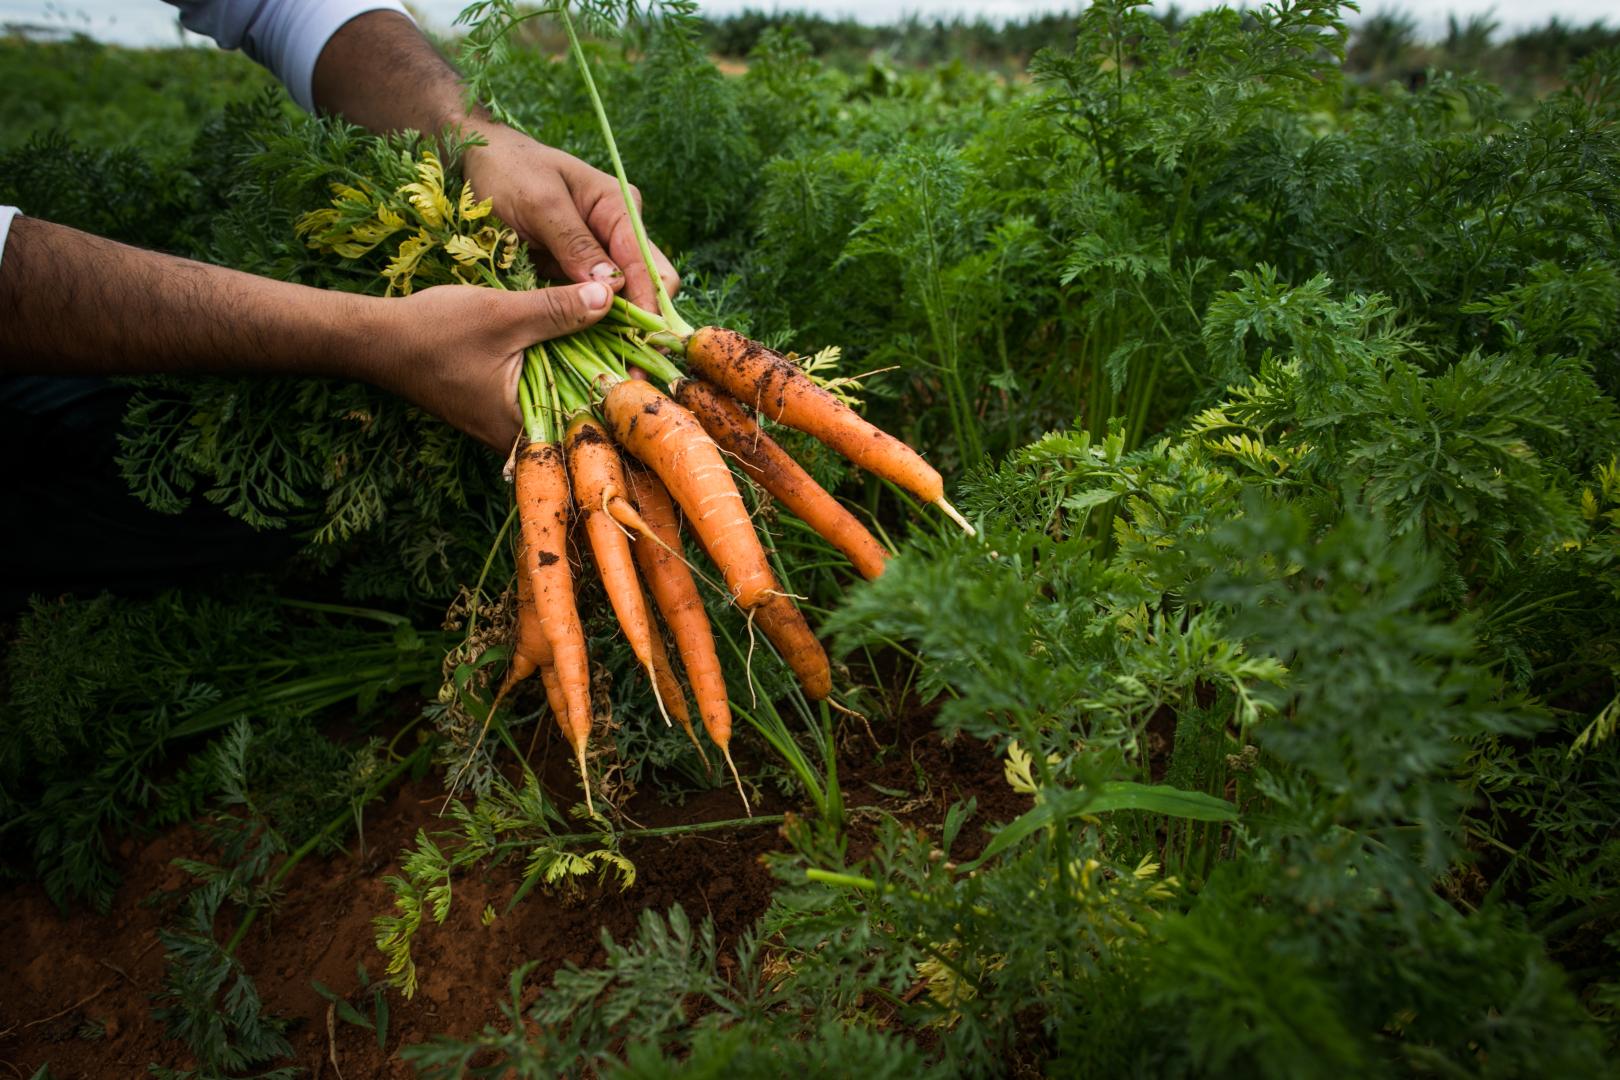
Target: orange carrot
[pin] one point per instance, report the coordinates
(729, 424)
(676, 594)
(542, 501)
(670, 441)
(673, 694)
(784, 624)
(598, 477)
(530, 650)
(781, 390)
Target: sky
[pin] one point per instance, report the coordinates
(151, 22)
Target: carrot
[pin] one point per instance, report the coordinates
(729, 424)
(670, 441)
(777, 387)
(598, 477)
(542, 499)
(673, 695)
(784, 624)
(676, 594)
(531, 652)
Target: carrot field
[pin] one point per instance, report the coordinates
(1109, 565)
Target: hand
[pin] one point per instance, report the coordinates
(566, 209)
(457, 350)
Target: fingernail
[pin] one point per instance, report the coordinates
(594, 294)
(606, 271)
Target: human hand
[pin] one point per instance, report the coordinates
(457, 350)
(566, 210)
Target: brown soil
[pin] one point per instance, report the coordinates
(76, 990)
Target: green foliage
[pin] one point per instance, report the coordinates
(102, 695)
(208, 1000)
(113, 98)
(1286, 403)
(211, 1004)
(509, 823)
(662, 1005)
(110, 191)
(279, 794)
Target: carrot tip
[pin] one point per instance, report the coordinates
(726, 750)
(584, 779)
(708, 769)
(652, 677)
(955, 515)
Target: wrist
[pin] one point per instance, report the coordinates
(492, 136)
(366, 342)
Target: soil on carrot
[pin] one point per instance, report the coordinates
(76, 990)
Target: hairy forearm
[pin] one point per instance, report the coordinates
(72, 303)
(378, 71)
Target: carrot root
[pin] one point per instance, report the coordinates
(543, 498)
(732, 765)
(658, 696)
(691, 734)
(669, 578)
(619, 509)
(584, 778)
(784, 625)
(955, 515)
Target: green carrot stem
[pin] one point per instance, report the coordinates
(531, 417)
(387, 618)
(651, 832)
(632, 350)
(543, 387)
(622, 311)
(587, 363)
(573, 390)
(665, 306)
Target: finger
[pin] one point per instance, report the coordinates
(606, 217)
(543, 314)
(550, 218)
(547, 268)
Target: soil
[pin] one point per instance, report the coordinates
(76, 989)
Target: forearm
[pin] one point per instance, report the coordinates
(381, 73)
(72, 303)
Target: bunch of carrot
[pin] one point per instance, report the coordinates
(593, 396)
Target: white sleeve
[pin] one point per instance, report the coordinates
(6, 214)
(286, 36)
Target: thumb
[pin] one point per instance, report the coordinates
(543, 314)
